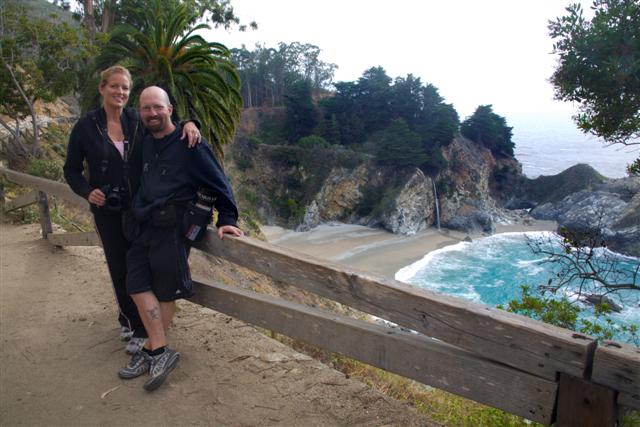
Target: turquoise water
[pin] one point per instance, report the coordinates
(491, 270)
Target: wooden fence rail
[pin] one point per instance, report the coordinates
(522, 366)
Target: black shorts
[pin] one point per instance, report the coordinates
(157, 262)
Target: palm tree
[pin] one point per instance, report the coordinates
(199, 76)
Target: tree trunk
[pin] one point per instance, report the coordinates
(14, 147)
(32, 111)
(14, 134)
(249, 94)
(35, 147)
(89, 21)
(108, 15)
(273, 94)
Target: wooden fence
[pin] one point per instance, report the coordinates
(522, 366)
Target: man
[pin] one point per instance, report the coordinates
(174, 178)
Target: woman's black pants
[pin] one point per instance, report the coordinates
(109, 226)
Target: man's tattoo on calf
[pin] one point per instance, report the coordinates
(154, 313)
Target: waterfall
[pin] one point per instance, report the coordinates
(435, 196)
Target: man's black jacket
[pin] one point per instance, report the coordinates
(172, 173)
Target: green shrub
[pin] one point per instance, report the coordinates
(249, 225)
(444, 188)
(60, 149)
(398, 146)
(435, 161)
(45, 168)
(348, 159)
(286, 155)
(26, 215)
(56, 136)
(254, 141)
(313, 141)
(271, 126)
(296, 210)
(631, 419)
(242, 160)
(565, 314)
(633, 169)
(487, 128)
(368, 201)
(248, 195)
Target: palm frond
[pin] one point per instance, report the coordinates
(166, 51)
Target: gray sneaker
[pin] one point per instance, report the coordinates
(138, 365)
(134, 345)
(160, 367)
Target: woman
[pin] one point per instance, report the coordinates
(109, 139)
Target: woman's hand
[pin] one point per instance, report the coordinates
(190, 131)
(96, 197)
(229, 229)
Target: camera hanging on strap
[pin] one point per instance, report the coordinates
(199, 214)
(116, 196)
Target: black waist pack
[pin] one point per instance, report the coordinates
(195, 221)
(165, 216)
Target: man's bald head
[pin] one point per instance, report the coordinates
(155, 111)
(155, 91)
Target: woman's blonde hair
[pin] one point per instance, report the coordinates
(114, 69)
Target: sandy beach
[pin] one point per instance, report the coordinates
(378, 251)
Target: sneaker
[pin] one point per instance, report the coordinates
(160, 367)
(125, 333)
(138, 365)
(134, 345)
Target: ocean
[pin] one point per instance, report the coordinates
(491, 271)
(547, 145)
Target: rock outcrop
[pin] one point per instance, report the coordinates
(337, 199)
(466, 201)
(528, 193)
(611, 209)
(341, 189)
(410, 206)
(414, 207)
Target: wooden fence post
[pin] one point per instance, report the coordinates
(45, 218)
(582, 403)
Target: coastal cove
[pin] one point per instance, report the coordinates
(378, 251)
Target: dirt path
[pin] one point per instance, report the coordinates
(60, 353)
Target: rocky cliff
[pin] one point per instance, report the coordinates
(611, 209)
(303, 188)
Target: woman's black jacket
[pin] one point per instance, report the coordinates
(89, 141)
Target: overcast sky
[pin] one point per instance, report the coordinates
(475, 52)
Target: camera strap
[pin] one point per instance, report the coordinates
(102, 131)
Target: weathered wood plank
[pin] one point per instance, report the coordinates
(53, 188)
(617, 366)
(629, 400)
(89, 238)
(514, 340)
(22, 201)
(584, 404)
(411, 355)
(45, 218)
